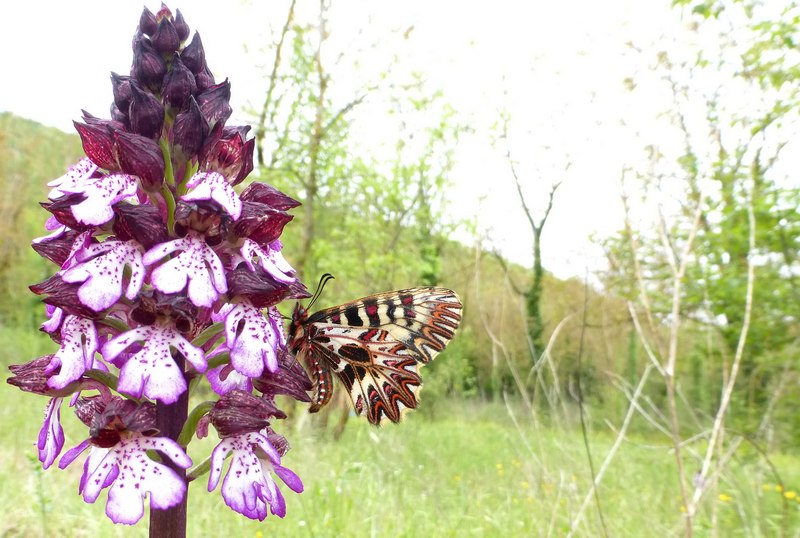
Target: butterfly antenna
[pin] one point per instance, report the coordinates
(322, 281)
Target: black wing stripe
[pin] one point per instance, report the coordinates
(351, 313)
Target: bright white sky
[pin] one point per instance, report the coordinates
(556, 66)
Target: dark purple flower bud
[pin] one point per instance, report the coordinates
(278, 441)
(94, 120)
(147, 22)
(139, 222)
(64, 296)
(260, 222)
(261, 288)
(121, 87)
(149, 66)
(189, 131)
(201, 431)
(142, 157)
(98, 144)
(247, 162)
(152, 305)
(87, 408)
(229, 155)
(204, 79)
(240, 412)
(201, 216)
(290, 379)
(56, 249)
(146, 113)
(137, 417)
(215, 103)
(163, 12)
(180, 26)
(269, 195)
(179, 84)
(33, 377)
(165, 39)
(193, 55)
(119, 116)
(107, 419)
(61, 208)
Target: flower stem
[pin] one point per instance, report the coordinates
(171, 523)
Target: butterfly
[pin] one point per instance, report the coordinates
(375, 346)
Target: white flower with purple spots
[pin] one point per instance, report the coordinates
(213, 186)
(270, 259)
(131, 473)
(224, 378)
(76, 354)
(51, 436)
(77, 177)
(251, 339)
(196, 264)
(101, 272)
(54, 322)
(101, 193)
(248, 487)
(151, 371)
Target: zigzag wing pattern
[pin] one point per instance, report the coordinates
(375, 346)
(424, 319)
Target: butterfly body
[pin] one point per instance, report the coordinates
(375, 346)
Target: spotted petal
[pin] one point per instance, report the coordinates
(152, 371)
(196, 264)
(213, 186)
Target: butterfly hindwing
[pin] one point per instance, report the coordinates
(375, 346)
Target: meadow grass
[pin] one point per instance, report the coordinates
(455, 468)
(470, 473)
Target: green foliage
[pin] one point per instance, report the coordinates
(469, 471)
(30, 156)
(373, 222)
(733, 158)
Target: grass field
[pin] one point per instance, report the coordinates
(451, 469)
(469, 472)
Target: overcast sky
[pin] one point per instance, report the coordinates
(556, 67)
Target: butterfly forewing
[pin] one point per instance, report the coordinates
(375, 346)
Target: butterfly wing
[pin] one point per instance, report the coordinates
(375, 346)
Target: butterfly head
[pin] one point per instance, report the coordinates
(296, 330)
(300, 314)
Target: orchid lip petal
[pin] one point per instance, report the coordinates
(152, 371)
(213, 186)
(196, 264)
(131, 474)
(248, 487)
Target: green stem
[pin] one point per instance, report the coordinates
(207, 334)
(191, 422)
(199, 470)
(169, 172)
(170, 201)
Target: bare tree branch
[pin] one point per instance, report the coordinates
(267, 108)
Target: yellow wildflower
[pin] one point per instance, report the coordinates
(790, 495)
(778, 488)
(725, 498)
